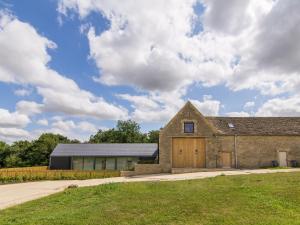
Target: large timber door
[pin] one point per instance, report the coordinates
(188, 153)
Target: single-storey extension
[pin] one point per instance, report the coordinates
(101, 156)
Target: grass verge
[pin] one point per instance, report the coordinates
(265, 199)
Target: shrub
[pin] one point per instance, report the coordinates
(16, 175)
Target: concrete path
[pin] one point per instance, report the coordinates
(13, 194)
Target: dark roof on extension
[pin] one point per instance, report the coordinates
(142, 150)
(256, 125)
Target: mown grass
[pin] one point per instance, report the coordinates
(25, 174)
(269, 199)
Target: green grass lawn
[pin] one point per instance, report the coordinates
(248, 199)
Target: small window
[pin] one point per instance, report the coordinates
(188, 127)
(230, 125)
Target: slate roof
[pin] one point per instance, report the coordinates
(141, 150)
(256, 125)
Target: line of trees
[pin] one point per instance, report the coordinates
(37, 152)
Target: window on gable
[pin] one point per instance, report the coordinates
(188, 127)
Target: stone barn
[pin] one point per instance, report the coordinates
(193, 142)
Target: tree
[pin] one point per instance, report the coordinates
(129, 132)
(39, 152)
(153, 136)
(125, 132)
(4, 151)
(17, 153)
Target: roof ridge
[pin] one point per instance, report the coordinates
(254, 117)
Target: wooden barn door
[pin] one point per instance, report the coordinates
(226, 159)
(188, 153)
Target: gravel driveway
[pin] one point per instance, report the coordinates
(13, 194)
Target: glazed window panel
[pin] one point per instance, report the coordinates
(100, 164)
(88, 163)
(188, 127)
(110, 164)
(77, 163)
(122, 163)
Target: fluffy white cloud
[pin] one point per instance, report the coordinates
(19, 40)
(15, 119)
(81, 130)
(208, 107)
(238, 114)
(88, 127)
(142, 101)
(156, 108)
(227, 16)
(281, 107)
(22, 92)
(69, 125)
(249, 105)
(270, 55)
(29, 107)
(151, 108)
(244, 44)
(42, 122)
(80, 103)
(164, 55)
(12, 124)
(12, 134)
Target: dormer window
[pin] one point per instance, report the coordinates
(188, 127)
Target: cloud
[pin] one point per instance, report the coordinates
(249, 105)
(244, 44)
(142, 101)
(226, 16)
(269, 59)
(238, 114)
(81, 130)
(289, 106)
(12, 134)
(15, 119)
(163, 56)
(208, 107)
(22, 92)
(70, 125)
(156, 108)
(19, 40)
(29, 107)
(151, 108)
(88, 127)
(42, 122)
(80, 103)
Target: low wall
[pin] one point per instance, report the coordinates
(141, 169)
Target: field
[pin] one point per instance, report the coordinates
(24, 174)
(266, 199)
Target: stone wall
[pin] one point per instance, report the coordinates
(259, 151)
(215, 146)
(140, 169)
(252, 151)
